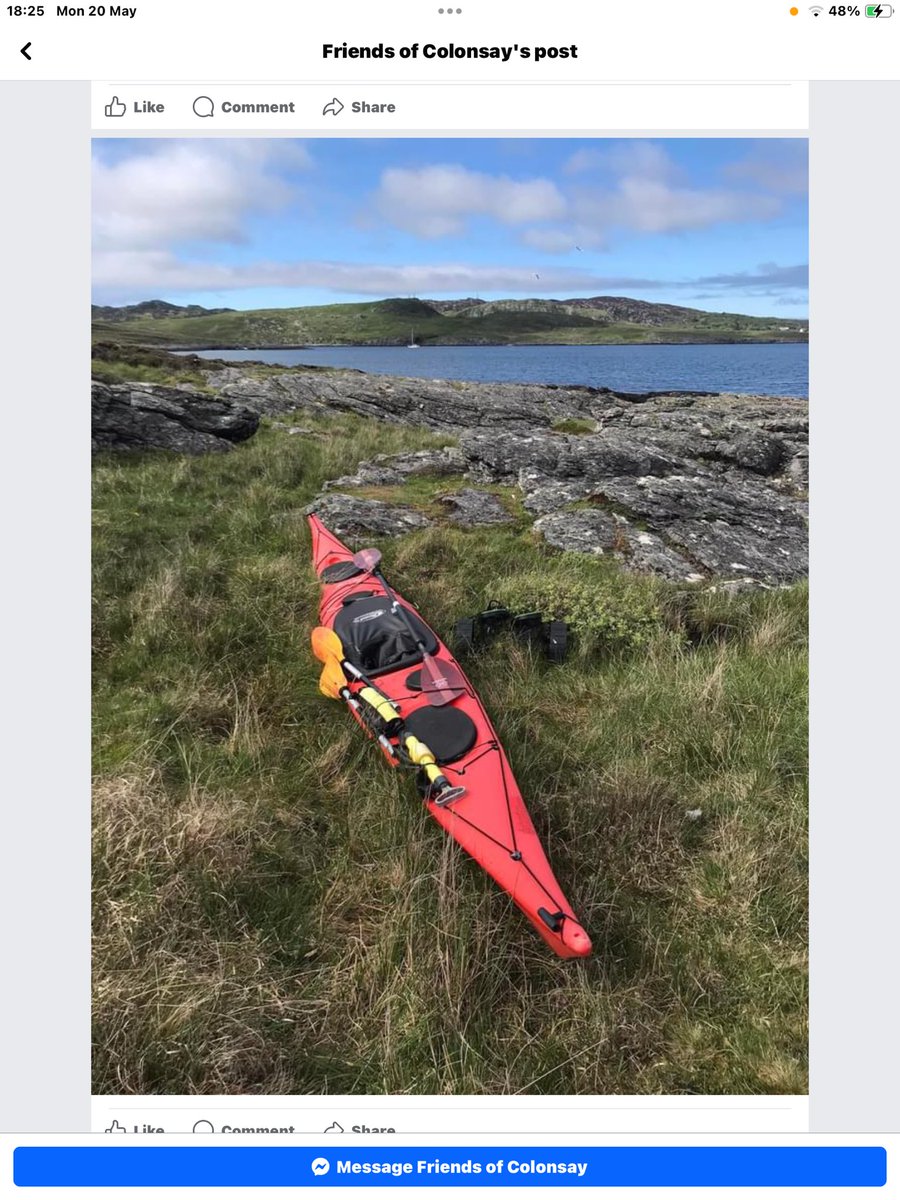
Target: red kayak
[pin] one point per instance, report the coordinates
(481, 806)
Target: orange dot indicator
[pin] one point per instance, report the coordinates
(794, 11)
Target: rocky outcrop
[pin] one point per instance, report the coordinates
(388, 470)
(469, 507)
(352, 517)
(716, 504)
(684, 486)
(144, 416)
(443, 404)
(593, 531)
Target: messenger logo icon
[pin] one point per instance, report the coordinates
(320, 1166)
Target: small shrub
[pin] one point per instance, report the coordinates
(606, 609)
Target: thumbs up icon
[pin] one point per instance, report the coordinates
(116, 1128)
(115, 108)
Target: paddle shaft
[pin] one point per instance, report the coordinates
(445, 678)
(398, 608)
(351, 701)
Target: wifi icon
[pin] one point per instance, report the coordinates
(817, 10)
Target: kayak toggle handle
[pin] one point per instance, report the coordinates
(447, 796)
(553, 921)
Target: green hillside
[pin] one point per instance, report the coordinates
(392, 322)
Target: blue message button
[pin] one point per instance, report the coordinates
(457, 1166)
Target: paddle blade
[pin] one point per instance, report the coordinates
(332, 680)
(367, 560)
(326, 644)
(442, 681)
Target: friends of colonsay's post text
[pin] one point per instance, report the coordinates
(429, 50)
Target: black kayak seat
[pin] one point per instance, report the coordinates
(376, 639)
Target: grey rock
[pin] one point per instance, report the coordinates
(588, 531)
(594, 531)
(722, 549)
(469, 508)
(733, 524)
(591, 456)
(649, 554)
(354, 517)
(757, 451)
(437, 403)
(541, 494)
(685, 485)
(144, 416)
(797, 471)
(388, 470)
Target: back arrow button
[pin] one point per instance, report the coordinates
(24, 51)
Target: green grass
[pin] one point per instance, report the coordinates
(575, 425)
(120, 372)
(390, 322)
(274, 911)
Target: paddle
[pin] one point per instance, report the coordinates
(332, 682)
(442, 681)
(329, 650)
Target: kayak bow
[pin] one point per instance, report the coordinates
(481, 807)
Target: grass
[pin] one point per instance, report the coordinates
(114, 363)
(274, 911)
(575, 425)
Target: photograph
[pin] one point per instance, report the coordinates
(450, 672)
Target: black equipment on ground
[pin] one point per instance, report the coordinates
(550, 637)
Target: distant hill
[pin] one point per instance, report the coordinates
(154, 309)
(392, 322)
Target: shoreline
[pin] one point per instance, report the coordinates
(182, 348)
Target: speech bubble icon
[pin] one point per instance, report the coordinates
(320, 1166)
(204, 107)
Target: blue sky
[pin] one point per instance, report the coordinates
(715, 223)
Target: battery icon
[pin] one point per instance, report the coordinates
(879, 10)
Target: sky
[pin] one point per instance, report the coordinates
(712, 223)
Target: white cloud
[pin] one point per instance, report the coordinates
(642, 190)
(436, 201)
(778, 165)
(768, 275)
(124, 276)
(176, 191)
(644, 159)
(127, 275)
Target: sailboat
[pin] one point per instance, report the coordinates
(413, 344)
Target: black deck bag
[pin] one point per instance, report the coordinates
(376, 639)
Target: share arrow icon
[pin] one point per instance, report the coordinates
(333, 106)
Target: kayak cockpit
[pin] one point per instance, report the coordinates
(376, 639)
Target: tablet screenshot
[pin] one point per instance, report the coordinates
(449, 576)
